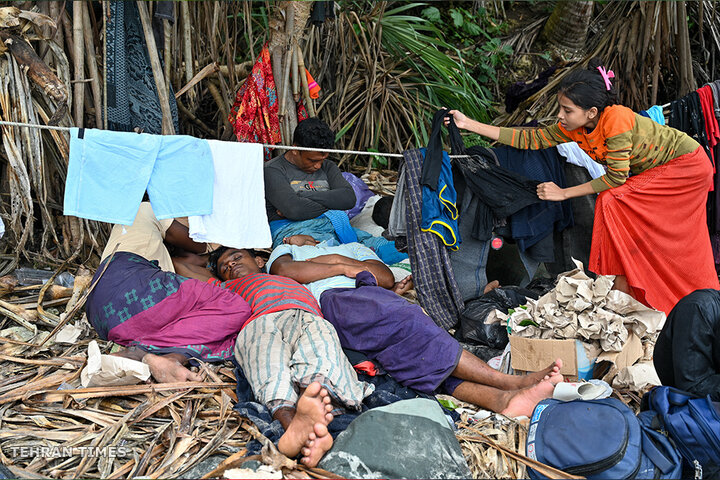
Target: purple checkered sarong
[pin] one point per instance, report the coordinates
(433, 275)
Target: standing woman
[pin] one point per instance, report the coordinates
(650, 227)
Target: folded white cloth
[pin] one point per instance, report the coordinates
(577, 156)
(239, 218)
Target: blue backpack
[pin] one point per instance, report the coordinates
(692, 422)
(599, 439)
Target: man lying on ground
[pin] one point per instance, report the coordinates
(163, 318)
(396, 333)
(285, 348)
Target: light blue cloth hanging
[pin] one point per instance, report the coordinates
(656, 113)
(108, 173)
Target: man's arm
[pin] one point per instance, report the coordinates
(186, 268)
(286, 201)
(340, 196)
(327, 266)
(179, 235)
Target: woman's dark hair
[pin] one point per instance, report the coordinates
(587, 89)
(217, 253)
(313, 133)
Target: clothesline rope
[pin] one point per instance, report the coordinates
(285, 147)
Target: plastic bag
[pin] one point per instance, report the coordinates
(472, 320)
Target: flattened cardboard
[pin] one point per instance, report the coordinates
(532, 354)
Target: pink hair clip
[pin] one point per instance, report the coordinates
(607, 75)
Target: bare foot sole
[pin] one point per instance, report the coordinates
(168, 370)
(523, 402)
(315, 448)
(551, 373)
(491, 286)
(313, 407)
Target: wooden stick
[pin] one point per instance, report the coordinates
(167, 58)
(232, 461)
(92, 65)
(205, 72)
(187, 50)
(303, 78)
(52, 395)
(167, 123)
(546, 470)
(78, 64)
(37, 70)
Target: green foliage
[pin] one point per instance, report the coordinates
(439, 68)
(484, 54)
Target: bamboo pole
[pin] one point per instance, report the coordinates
(295, 71)
(92, 66)
(106, 11)
(187, 51)
(205, 72)
(78, 64)
(303, 78)
(167, 58)
(287, 61)
(167, 123)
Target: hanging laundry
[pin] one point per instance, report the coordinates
(132, 99)
(397, 226)
(439, 199)
(439, 208)
(656, 113)
(238, 217)
(686, 115)
(715, 86)
(577, 156)
(254, 115)
(500, 191)
(313, 86)
(108, 173)
(434, 279)
(711, 125)
(537, 221)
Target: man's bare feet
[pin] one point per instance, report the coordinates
(166, 369)
(403, 285)
(523, 402)
(551, 373)
(319, 442)
(491, 286)
(313, 408)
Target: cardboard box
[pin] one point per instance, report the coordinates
(532, 354)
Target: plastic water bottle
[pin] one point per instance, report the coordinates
(32, 276)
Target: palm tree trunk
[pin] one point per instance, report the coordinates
(567, 26)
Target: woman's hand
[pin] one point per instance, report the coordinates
(461, 120)
(550, 191)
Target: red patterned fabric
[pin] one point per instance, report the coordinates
(254, 115)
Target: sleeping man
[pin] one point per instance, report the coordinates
(286, 348)
(397, 334)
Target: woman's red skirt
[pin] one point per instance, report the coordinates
(653, 230)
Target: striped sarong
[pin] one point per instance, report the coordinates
(282, 353)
